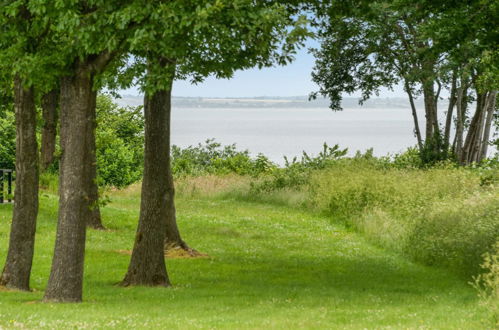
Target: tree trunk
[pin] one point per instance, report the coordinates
(488, 123)
(428, 105)
(94, 219)
(77, 103)
(17, 269)
(417, 130)
(50, 102)
(431, 108)
(461, 105)
(450, 110)
(147, 264)
(173, 240)
(477, 143)
(470, 144)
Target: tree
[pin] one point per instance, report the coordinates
(17, 270)
(366, 45)
(197, 40)
(88, 35)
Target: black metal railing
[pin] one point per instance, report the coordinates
(5, 174)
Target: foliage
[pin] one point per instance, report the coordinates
(120, 143)
(427, 47)
(206, 38)
(7, 140)
(411, 158)
(213, 158)
(488, 282)
(296, 172)
(441, 216)
(434, 151)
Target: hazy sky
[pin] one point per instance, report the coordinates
(291, 80)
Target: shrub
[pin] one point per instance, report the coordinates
(213, 158)
(120, 143)
(296, 172)
(7, 140)
(117, 164)
(488, 282)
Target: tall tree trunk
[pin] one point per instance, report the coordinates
(17, 269)
(94, 219)
(477, 143)
(461, 105)
(450, 111)
(470, 144)
(428, 105)
(417, 130)
(147, 264)
(173, 239)
(66, 276)
(488, 123)
(50, 102)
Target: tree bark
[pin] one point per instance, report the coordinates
(432, 127)
(488, 123)
(94, 219)
(66, 276)
(17, 269)
(147, 264)
(428, 104)
(50, 102)
(473, 137)
(461, 105)
(173, 240)
(78, 101)
(477, 145)
(450, 111)
(417, 130)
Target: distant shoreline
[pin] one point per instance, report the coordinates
(274, 102)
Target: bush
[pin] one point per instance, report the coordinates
(117, 163)
(296, 172)
(488, 282)
(213, 158)
(7, 140)
(120, 143)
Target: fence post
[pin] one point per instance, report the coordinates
(1, 187)
(9, 186)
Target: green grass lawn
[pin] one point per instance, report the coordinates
(269, 267)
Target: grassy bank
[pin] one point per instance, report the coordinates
(444, 216)
(268, 266)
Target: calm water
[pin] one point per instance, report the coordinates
(279, 132)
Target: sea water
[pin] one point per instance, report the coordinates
(278, 132)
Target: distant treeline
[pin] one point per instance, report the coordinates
(277, 102)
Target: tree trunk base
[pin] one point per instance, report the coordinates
(6, 286)
(61, 300)
(97, 226)
(181, 250)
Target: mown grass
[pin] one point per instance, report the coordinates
(270, 266)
